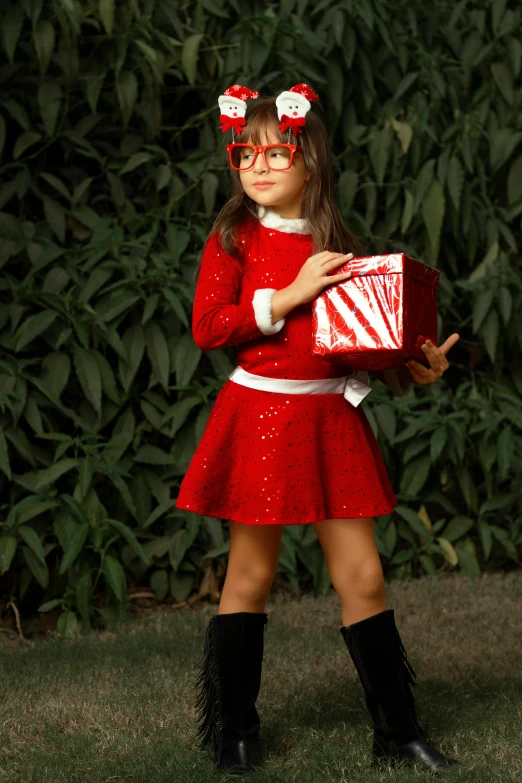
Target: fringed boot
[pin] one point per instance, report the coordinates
(379, 656)
(229, 679)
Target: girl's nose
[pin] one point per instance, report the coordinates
(295, 113)
(235, 114)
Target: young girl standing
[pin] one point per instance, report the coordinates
(286, 441)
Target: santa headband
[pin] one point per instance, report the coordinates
(292, 107)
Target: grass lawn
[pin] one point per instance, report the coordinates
(119, 707)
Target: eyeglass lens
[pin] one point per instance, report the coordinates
(276, 157)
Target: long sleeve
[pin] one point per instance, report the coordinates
(219, 320)
(392, 380)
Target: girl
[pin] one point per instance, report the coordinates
(286, 442)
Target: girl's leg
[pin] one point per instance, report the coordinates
(252, 566)
(374, 643)
(354, 566)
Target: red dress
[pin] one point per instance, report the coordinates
(273, 458)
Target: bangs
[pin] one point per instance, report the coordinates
(258, 124)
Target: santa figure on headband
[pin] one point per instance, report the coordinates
(292, 106)
(233, 107)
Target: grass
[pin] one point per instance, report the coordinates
(119, 707)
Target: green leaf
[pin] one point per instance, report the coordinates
(38, 569)
(159, 581)
(11, 27)
(455, 180)
(33, 327)
(413, 520)
(131, 539)
(31, 538)
(189, 56)
(505, 303)
(127, 90)
(433, 213)
(505, 451)
(75, 543)
(49, 101)
(481, 307)
(158, 352)
(414, 476)
(30, 507)
(404, 133)
(347, 188)
(379, 151)
(503, 78)
(163, 176)
(50, 605)
(115, 577)
(437, 442)
(67, 624)
(134, 342)
(210, 185)
(7, 552)
(55, 216)
(138, 159)
(449, 552)
(490, 331)
(468, 561)
(83, 597)
(176, 305)
(514, 183)
(4, 456)
(405, 84)
(178, 548)
(457, 527)
(106, 11)
(187, 359)
(152, 455)
(2, 134)
(49, 475)
(89, 376)
(122, 436)
(24, 141)
(43, 35)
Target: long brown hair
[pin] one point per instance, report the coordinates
(319, 202)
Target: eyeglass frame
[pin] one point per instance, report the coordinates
(262, 148)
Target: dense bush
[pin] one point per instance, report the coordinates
(112, 170)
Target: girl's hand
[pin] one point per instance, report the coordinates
(437, 359)
(313, 275)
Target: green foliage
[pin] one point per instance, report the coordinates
(103, 393)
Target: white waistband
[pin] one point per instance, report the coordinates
(354, 387)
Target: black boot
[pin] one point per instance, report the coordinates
(379, 656)
(229, 678)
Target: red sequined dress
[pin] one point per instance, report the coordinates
(273, 458)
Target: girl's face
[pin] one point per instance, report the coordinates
(285, 193)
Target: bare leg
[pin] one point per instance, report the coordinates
(252, 566)
(354, 566)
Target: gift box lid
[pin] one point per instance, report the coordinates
(393, 263)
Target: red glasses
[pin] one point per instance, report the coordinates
(278, 157)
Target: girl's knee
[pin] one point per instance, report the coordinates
(252, 585)
(366, 581)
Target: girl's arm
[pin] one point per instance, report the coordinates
(218, 321)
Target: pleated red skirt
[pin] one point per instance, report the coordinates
(267, 458)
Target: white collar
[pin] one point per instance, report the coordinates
(270, 219)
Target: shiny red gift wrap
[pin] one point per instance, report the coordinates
(378, 318)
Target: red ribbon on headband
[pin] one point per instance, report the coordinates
(295, 123)
(236, 123)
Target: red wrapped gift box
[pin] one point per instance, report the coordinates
(378, 318)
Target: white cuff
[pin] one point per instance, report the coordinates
(391, 378)
(262, 302)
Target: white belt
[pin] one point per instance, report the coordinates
(354, 387)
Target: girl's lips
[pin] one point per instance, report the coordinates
(266, 185)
